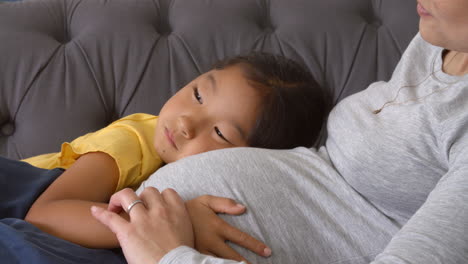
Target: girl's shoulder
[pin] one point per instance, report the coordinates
(135, 119)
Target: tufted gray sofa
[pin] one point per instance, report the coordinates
(68, 67)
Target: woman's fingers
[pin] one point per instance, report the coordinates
(121, 200)
(167, 198)
(152, 197)
(110, 219)
(151, 232)
(173, 199)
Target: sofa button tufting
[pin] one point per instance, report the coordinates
(269, 30)
(376, 23)
(7, 129)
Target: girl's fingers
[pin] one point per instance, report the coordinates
(222, 250)
(226, 231)
(243, 239)
(110, 219)
(222, 205)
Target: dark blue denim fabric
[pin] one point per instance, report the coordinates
(20, 185)
(20, 241)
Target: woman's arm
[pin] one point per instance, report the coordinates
(63, 209)
(160, 231)
(438, 231)
(186, 255)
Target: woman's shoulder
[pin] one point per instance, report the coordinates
(419, 47)
(419, 42)
(416, 63)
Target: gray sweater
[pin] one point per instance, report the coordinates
(390, 187)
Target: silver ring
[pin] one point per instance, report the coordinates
(133, 204)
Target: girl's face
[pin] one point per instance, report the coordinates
(216, 110)
(444, 23)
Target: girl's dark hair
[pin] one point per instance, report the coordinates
(293, 104)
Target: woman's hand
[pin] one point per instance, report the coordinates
(211, 231)
(158, 225)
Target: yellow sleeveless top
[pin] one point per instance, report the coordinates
(128, 140)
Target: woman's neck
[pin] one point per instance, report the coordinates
(455, 63)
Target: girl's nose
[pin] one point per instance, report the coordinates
(186, 126)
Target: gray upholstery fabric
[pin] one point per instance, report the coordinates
(68, 67)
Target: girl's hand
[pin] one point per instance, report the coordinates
(211, 231)
(157, 225)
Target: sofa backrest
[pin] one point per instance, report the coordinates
(68, 67)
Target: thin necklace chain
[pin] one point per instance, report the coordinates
(393, 101)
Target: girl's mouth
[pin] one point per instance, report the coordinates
(170, 138)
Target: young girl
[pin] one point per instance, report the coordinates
(258, 100)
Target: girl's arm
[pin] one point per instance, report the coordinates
(63, 209)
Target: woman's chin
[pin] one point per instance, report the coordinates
(429, 34)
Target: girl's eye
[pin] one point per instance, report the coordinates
(218, 132)
(197, 95)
